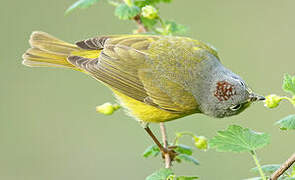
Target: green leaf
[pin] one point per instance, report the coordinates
(123, 11)
(149, 23)
(293, 171)
(175, 28)
(289, 178)
(183, 149)
(186, 158)
(269, 168)
(151, 151)
(142, 3)
(81, 4)
(161, 174)
(238, 139)
(187, 178)
(254, 178)
(287, 123)
(289, 84)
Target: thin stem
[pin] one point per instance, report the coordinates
(284, 167)
(180, 134)
(162, 22)
(141, 27)
(291, 100)
(164, 26)
(258, 165)
(128, 2)
(113, 3)
(165, 143)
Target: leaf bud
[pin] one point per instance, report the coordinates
(200, 142)
(107, 108)
(272, 101)
(149, 12)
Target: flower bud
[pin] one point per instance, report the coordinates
(272, 101)
(201, 142)
(107, 108)
(149, 12)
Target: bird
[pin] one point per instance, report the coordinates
(155, 78)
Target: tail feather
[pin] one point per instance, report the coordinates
(48, 51)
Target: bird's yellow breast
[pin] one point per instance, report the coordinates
(145, 112)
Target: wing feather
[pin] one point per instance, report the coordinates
(122, 64)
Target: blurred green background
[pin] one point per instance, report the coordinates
(48, 125)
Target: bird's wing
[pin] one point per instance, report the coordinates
(125, 65)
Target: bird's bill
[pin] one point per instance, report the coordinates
(255, 97)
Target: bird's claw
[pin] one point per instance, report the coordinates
(170, 151)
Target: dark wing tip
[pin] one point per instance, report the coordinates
(96, 43)
(83, 45)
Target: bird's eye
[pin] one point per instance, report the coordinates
(242, 83)
(235, 107)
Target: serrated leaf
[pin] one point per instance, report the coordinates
(186, 178)
(124, 12)
(161, 174)
(289, 84)
(187, 158)
(183, 149)
(287, 123)
(175, 28)
(81, 4)
(269, 168)
(238, 139)
(151, 151)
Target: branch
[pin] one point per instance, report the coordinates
(141, 27)
(283, 168)
(165, 143)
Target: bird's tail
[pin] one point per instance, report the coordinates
(48, 51)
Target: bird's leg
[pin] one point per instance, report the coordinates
(165, 151)
(162, 149)
(167, 156)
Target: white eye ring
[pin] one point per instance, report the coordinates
(235, 107)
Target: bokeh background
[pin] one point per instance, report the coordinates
(48, 125)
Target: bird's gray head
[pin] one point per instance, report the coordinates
(228, 95)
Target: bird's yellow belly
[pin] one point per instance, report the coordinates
(145, 112)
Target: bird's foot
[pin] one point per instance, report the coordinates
(169, 151)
